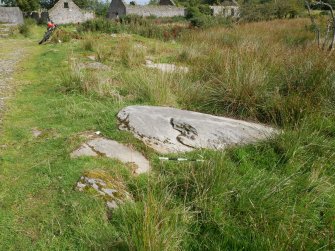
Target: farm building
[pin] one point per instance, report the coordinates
(66, 11)
(11, 15)
(166, 8)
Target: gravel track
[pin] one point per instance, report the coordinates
(11, 53)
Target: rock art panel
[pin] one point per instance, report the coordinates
(100, 146)
(170, 130)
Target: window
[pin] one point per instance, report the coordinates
(66, 5)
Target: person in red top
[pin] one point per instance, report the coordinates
(51, 25)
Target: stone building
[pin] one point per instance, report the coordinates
(66, 11)
(226, 8)
(165, 8)
(11, 15)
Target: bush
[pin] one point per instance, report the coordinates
(99, 25)
(61, 35)
(205, 9)
(24, 29)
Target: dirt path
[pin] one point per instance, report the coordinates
(11, 53)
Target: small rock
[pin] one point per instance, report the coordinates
(111, 189)
(92, 57)
(36, 132)
(166, 68)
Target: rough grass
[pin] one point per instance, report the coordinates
(274, 195)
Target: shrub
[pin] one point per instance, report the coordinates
(24, 29)
(99, 25)
(61, 35)
(88, 44)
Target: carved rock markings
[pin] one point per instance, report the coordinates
(170, 130)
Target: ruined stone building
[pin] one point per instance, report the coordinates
(165, 8)
(66, 11)
(11, 15)
(226, 8)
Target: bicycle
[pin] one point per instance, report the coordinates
(48, 34)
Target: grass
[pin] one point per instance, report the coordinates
(274, 195)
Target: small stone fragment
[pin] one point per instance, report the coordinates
(36, 132)
(92, 57)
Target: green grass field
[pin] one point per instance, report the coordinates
(274, 195)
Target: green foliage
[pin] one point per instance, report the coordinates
(267, 10)
(25, 29)
(24, 5)
(99, 25)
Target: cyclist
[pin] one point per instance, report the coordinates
(50, 25)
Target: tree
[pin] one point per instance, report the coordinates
(330, 29)
(24, 5)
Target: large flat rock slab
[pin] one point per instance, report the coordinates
(100, 146)
(170, 130)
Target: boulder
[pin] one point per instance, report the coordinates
(170, 130)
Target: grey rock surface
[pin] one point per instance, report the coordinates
(84, 150)
(36, 133)
(170, 130)
(166, 68)
(112, 190)
(112, 149)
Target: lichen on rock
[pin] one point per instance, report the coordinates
(111, 189)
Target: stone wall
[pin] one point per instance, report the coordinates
(227, 11)
(66, 11)
(11, 15)
(158, 11)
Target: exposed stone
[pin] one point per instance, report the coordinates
(92, 57)
(111, 189)
(36, 132)
(170, 130)
(83, 150)
(168, 68)
(114, 150)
